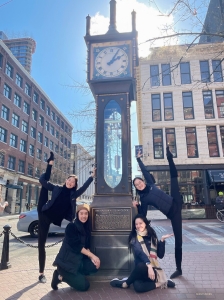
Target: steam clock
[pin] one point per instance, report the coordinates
(111, 65)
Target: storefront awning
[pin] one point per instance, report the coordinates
(216, 175)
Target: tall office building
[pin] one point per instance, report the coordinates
(214, 22)
(21, 48)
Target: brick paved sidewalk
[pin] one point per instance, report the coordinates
(203, 278)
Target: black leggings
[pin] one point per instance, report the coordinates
(44, 223)
(140, 280)
(78, 281)
(176, 217)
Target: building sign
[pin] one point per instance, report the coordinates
(198, 213)
(216, 175)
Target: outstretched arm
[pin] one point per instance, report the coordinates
(83, 188)
(145, 173)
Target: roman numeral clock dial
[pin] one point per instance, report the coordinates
(111, 62)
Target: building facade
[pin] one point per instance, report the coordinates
(30, 127)
(82, 164)
(21, 48)
(181, 104)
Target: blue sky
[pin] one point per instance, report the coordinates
(58, 27)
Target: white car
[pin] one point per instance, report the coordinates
(28, 222)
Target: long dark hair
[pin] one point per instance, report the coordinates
(151, 231)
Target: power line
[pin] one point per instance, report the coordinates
(5, 3)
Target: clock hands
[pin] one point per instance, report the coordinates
(113, 58)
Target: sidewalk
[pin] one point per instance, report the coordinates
(203, 272)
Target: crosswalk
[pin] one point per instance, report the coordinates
(200, 233)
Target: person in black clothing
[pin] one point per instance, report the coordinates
(169, 205)
(61, 206)
(147, 275)
(74, 259)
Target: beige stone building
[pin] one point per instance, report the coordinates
(181, 103)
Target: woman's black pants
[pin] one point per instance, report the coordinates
(79, 281)
(139, 279)
(43, 223)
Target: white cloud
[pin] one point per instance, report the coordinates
(148, 23)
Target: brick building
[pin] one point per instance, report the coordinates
(181, 103)
(30, 127)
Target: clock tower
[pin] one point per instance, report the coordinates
(112, 59)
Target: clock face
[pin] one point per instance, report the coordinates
(111, 62)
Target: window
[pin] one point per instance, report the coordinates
(17, 100)
(66, 142)
(57, 134)
(15, 120)
(11, 163)
(205, 73)
(171, 140)
(2, 157)
(27, 89)
(212, 141)
(5, 113)
(62, 138)
(21, 167)
(217, 70)
(62, 125)
(37, 172)
(1, 60)
(58, 120)
(48, 111)
(7, 91)
(154, 75)
(185, 73)
(66, 128)
(24, 127)
(23, 145)
(156, 107)
(61, 151)
(51, 145)
(13, 140)
(35, 97)
(220, 103)
(39, 153)
(19, 80)
(45, 141)
(34, 114)
(40, 137)
(158, 143)
(33, 132)
(42, 104)
(188, 105)
(208, 105)
(26, 108)
(30, 170)
(47, 126)
(31, 150)
(191, 139)
(52, 130)
(3, 135)
(9, 70)
(222, 137)
(69, 144)
(53, 116)
(65, 154)
(45, 157)
(166, 76)
(56, 148)
(41, 120)
(168, 106)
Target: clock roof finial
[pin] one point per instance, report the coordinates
(112, 26)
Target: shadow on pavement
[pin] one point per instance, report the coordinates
(20, 293)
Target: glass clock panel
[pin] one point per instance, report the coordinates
(112, 144)
(111, 62)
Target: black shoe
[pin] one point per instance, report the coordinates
(55, 281)
(118, 282)
(176, 274)
(51, 157)
(170, 283)
(169, 155)
(42, 278)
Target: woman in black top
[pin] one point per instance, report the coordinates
(74, 259)
(62, 205)
(169, 205)
(147, 275)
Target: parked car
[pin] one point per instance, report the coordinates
(28, 222)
